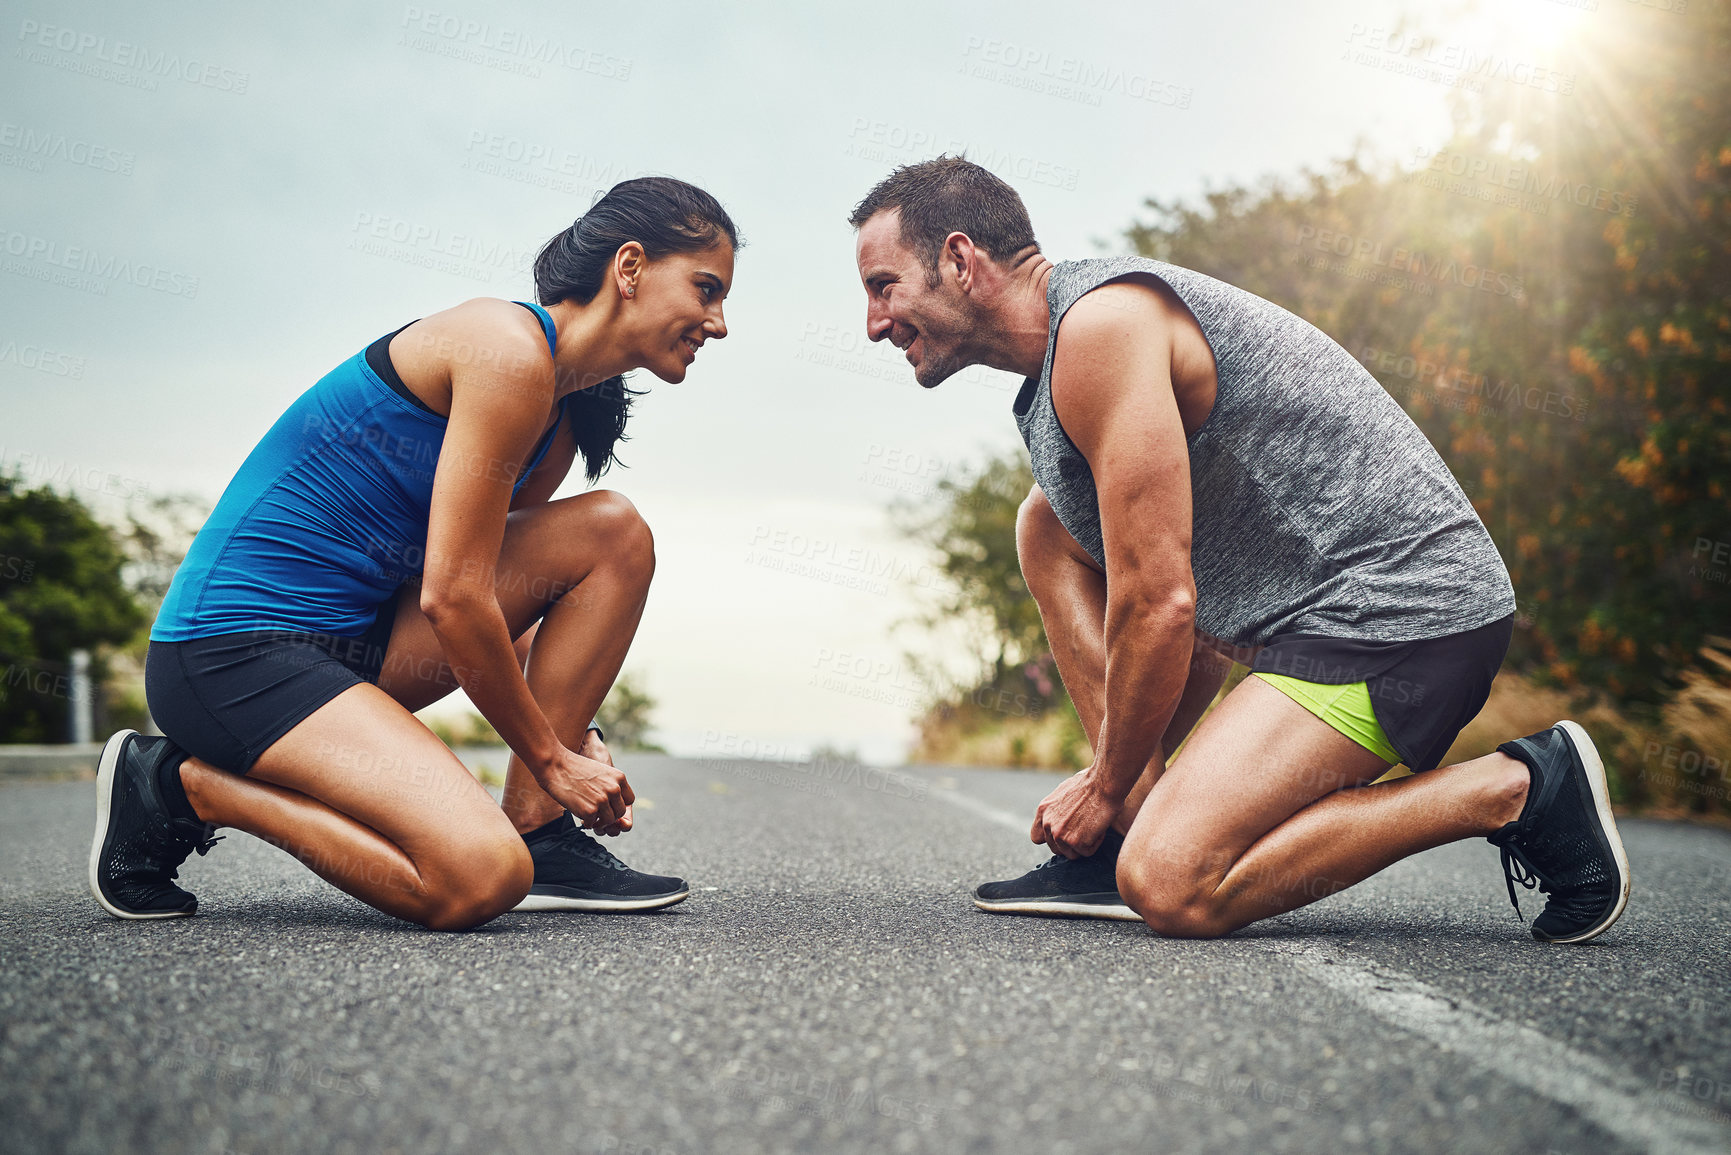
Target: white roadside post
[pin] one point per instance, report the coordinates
(81, 698)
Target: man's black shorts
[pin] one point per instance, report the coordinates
(1422, 692)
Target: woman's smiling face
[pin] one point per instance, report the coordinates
(674, 306)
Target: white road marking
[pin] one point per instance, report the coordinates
(1631, 1109)
(987, 811)
(1615, 1100)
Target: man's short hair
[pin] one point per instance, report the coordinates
(952, 194)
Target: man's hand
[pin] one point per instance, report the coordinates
(1074, 818)
(593, 747)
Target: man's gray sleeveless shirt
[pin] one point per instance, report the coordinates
(1318, 506)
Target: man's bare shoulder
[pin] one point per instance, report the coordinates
(1133, 313)
(1124, 324)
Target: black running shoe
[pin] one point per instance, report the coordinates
(575, 872)
(138, 845)
(1067, 887)
(1565, 841)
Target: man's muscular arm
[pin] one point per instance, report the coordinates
(1208, 670)
(1112, 390)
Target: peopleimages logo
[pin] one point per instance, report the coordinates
(1500, 173)
(1462, 60)
(41, 359)
(1404, 260)
(41, 470)
(507, 42)
(1067, 76)
(434, 247)
(769, 544)
(87, 46)
(882, 141)
(37, 145)
(51, 254)
(551, 158)
(1465, 385)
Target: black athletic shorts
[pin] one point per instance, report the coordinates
(1423, 692)
(227, 697)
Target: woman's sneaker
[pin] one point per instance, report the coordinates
(1068, 887)
(575, 872)
(138, 845)
(1565, 841)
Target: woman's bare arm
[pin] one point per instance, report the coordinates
(499, 410)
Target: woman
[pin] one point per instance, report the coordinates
(286, 662)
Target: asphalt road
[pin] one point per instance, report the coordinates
(829, 987)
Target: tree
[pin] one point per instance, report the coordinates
(1588, 415)
(60, 590)
(971, 529)
(155, 540)
(1015, 712)
(626, 716)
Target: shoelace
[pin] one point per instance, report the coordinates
(1517, 868)
(589, 848)
(202, 845)
(1057, 858)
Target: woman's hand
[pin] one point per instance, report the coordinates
(592, 788)
(594, 747)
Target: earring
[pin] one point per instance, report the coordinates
(631, 289)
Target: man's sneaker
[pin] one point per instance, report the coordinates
(1070, 887)
(138, 845)
(1565, 841)
(575, 872)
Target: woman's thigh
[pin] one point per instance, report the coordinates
(546, 553)
(363, 754)
(1251, 764)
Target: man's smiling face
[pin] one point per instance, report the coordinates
(929, 323)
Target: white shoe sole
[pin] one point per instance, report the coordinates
(106, 772)
(1117, 912)
(1602, 800)
(599, 905)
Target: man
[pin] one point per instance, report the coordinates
(1217, 478)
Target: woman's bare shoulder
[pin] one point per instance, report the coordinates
(481, 339)
(496, 332)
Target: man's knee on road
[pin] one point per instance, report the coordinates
(1171, 900)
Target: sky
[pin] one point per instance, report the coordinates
(209, 206)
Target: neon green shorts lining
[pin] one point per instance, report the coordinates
(1345, 708)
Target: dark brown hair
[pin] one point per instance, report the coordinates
(664, 216)
(952, 194)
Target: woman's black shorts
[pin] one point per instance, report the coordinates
(1423, 692)
(227, 697)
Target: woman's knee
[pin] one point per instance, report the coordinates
(489, 877)
(612, 520)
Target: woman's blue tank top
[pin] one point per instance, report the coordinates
(328, 513)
